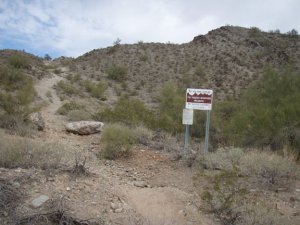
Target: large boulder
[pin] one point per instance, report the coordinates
(37, 119)
(84, 127)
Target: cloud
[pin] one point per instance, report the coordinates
(73, 27)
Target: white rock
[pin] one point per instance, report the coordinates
(84, 127)
(141, 184)
(37, 202)
(119, 210)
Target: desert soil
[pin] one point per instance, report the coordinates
(147, 188)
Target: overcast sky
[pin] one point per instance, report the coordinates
(74, 27)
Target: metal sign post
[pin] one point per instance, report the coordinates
(186, 140)
(207, 131)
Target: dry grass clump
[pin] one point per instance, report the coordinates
(69, 106)
(78, 114)
(25, 153)
(251, 214)
(8, 198)
(269, 167)
(143, 135)
(223, 159)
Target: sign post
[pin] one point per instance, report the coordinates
(200, 99)
(187, 119)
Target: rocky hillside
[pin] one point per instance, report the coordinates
(227, 60)
(28, 63)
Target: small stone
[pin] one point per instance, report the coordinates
(68, 189)
(37, 202)
(140, 184)
(119, 210)
(16, 184)
(113, 206)
(297, 189)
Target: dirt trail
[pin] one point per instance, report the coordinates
(45, 90)
(168, 197)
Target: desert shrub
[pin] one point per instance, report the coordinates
(19, 62)
(67, 88)
(143, 135)
(16, 95)
(117, 73)
(117, 140)
(250, 214)
(266, 167)
(270, 168)
(222, 195)
(129, 111)
(254, 31)
(25, 153)
(78, 114)
(57, 71)
(171, 103)
(68, 106)
(293, 33)
(96, 90)
(225, 190)
(222, 159)
(11, 78)
(267, 114)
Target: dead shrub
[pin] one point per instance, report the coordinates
(79, 167)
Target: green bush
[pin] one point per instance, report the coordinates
(171, 104)
(12, 79)
(19, 62)
(129, 111)
(16, 95)
(67, 88)
(118, 73)
(67, 107)
(96, 90)
(117, 141)
(266, 115)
